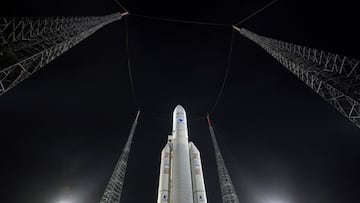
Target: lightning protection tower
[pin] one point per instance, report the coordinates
(28, 44)
(228, 192)
(113, 190)
(334, 77)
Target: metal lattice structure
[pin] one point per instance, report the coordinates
(28, 44)
(112, 193)
(227, 188)
(334, 77)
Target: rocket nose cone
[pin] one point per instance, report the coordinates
(179, 108)
(179, 119)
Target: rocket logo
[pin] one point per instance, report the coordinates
(180, 120)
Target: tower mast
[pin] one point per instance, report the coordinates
(27, 44)
(334, 77)
(114, 187)
(227, 188)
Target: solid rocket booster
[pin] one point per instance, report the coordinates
(164, 178)
(197, 175)
(181, 178)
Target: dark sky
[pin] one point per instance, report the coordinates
(63, 129)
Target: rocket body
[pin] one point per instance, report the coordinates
(184, 182)
(181, 172)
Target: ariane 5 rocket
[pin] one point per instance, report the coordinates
(181, 177)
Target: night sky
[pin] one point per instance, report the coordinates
(63, 129)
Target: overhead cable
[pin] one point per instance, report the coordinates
(131, 72)
(118, 3)
(179, 21)
(226, 73)
(256, 12)
(129, 64)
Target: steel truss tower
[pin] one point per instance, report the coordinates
(28, 44)
(112, 193)
(227, 188)
(334, 77)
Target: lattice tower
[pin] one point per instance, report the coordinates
(112, 193)
(227, 188)
(334, 77)
(27, 44)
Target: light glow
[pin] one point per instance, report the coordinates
(276, 201)
(65, 201)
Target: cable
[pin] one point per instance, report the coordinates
(226, 73)
(131, 75)
(132, 79)
(258, 11)
(129, 63)
(118, 3)
(178, 21)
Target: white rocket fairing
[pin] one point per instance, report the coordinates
(181, 178)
